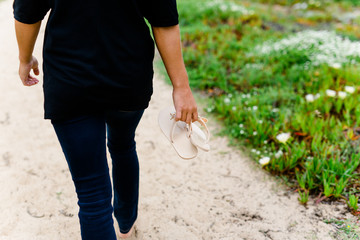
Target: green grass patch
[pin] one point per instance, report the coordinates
(345, 229)
(283, 86)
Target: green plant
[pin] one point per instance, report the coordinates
(345, 229)
(327, 184)
(301, 178)
(340, 186)
(353, 202)
(264, 78)
(303, 196)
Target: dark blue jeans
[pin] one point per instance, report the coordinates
(83, 141)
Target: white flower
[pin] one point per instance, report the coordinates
(255, 108)
(242, 132)
(283, 137)
(319, 46)
(275, 110)
(229, 95)
(342, 95)
(336, 65)
(248, 95)
(241, 125)
(233, 108)
(349, 89)
(278, 154)
(310, 98)
(223, 7)
(300, 6)
(253, 150)
(255, 133)
(330, 93)
(227, 100)
(260, 121)
(263, 161)
(317, 96)
(258, 152)
(265, 142)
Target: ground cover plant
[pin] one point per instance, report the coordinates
(286, 84)
(346, 229)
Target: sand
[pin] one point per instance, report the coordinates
(219, 195)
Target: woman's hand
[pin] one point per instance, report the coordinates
(26, 35)
(24, 72)
(185, 105)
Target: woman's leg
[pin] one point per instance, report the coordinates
(83, 142)
(121, 128)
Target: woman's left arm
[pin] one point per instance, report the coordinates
(169, 45)
(26, 35)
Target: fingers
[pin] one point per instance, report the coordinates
(35, 67)
(178, 115)
(28, 80)
(36, 71)
(24, 72)
(195, 116)
(187, 116)
(31, 81)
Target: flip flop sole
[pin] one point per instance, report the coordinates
(181, 142)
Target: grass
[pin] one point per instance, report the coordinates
(283, 78)
(345, 229)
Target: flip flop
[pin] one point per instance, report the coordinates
(198, 137)
(178, 133)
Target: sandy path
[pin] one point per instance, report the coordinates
(221, 195)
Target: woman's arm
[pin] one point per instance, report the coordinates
(168, 42)
(26, 35)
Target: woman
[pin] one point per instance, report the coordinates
(98, 79)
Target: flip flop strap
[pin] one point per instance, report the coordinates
(207, 132)
(188, 129)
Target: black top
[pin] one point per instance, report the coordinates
(97, 54)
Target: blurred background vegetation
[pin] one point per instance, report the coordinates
(283, 78)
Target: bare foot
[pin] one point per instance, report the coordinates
(126, 235)
(123, 235)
